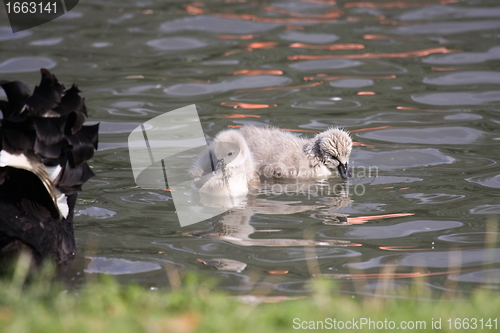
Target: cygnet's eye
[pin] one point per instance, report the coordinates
(229, 154)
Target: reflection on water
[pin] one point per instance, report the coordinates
(26, 64)
(416, 83)
(234, 226)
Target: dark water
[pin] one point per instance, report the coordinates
(416, 82)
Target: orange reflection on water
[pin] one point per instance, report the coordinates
(332, 47)
(443, 69)
(385, 37)
(362, 145)
(364, 219)
(277, 272)
(194, 10)
(238, 105)
(366, 93)
(241, 116)
(294, 27)
(394, 22)
(255, 18)
(329, 14)
(258, 72)
(231, 52)
(298, 130)
(376, 37)
(402, 248)
(237, 36)
(364, 18)
(417, 109)
(326, 2)
(417, 53)
(261, 45)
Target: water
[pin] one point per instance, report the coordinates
(416, 83)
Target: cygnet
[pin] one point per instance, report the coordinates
(281, 154)
(226, 168)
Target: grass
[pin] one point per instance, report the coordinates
(106, 306)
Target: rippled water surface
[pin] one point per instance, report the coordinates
(416, 82)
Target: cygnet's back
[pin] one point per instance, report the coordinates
(284, 155)
(276, 153)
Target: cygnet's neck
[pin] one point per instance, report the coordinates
(313, 151)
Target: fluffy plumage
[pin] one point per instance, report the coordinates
(226, 168)
(43, 152)
(284, 155)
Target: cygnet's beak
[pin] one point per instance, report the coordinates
(220, 164)
(342, 168)
(217, 164)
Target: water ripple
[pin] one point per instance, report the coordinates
(433, 198)
(311, 38)
(447, 28)
(255, 81)
(328, 64)
(325, 104)
(449, 12)
(463, 116)
(26, 64)
(464, 58)
(351, 83)
(401, 158)
(176, 43)
(7, 34)
(458, 98)
(493, 181)
(217, 25)
(457, 78)
(96, 212)
(486, 209)
(468, 238)
(483, 276)
(146, 198)
(47, 42)
(117, 266)
(392, 231)
(453, 135)
(435, 259)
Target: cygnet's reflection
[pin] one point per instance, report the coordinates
(234, 226)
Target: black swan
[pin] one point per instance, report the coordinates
(43, 152)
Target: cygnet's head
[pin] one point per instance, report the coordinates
(230, 150)
(334, 147)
